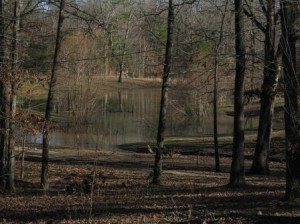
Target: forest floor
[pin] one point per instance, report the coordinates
(191, 191)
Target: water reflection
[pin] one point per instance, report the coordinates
(131, 116)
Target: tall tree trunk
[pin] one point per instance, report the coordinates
(13, 100)
(253, 53)
(123, 49)
(291, 114)
(164, 97)
(237, 174)
(108, 50)
(4, 106)
(22, 158)
(106, 62)
(215, 105)
(50, 102)
(1, 33)
(215, 101)
(260, 163)
(2, 100)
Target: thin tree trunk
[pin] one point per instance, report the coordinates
(106, 62)
(253, 52)
(237, 174)
(164, 97)
(260, 163)
(121, 70)
(13, 100)
(215, 101)
(291, 114)
(4, 123)
(215, 104)
(50, 102)
(122, 59)
(3, 103)
(23, 157)
(1, 33)
(108, 51)
(11, 146)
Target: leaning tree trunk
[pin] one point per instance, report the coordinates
(50, 103)
(164, 97)
(260, 163)
(291, 114)
(237, 173)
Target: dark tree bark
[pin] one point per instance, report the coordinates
(215, 100)
(2, 99)
(4, 106)
(291, 115)
(215, 106)
(4, 122)
(164, 97)
(50, 102)
(237, 174)
(260, 163)
(13, 101)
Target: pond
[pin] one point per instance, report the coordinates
(131, 116)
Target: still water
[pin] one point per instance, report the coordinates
(131, 116)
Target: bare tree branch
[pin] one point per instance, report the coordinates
(185, 2)
(263, 7)
(84, 15)
(251, 16)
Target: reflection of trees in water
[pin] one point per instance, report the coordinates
(193, 104)
(119, 118)
(191, 113)
(83, 136)
(107, 126)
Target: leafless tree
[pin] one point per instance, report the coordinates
(237, 173)
(50, 102)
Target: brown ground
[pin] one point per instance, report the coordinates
(191, 192)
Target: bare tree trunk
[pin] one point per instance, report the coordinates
(1, 33)
(13, 100)
(291, 114)
(23, 157)
(50, 102)
(2, 100)
(121, 65)
(164, 97)
(4, 105)
(260, 163)
(106, 62)
(108, 51)
(4, 122)
(237, 174)
(252, 52)
(215, 104)
(123, 49)
(12, 138)
(215, 101)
